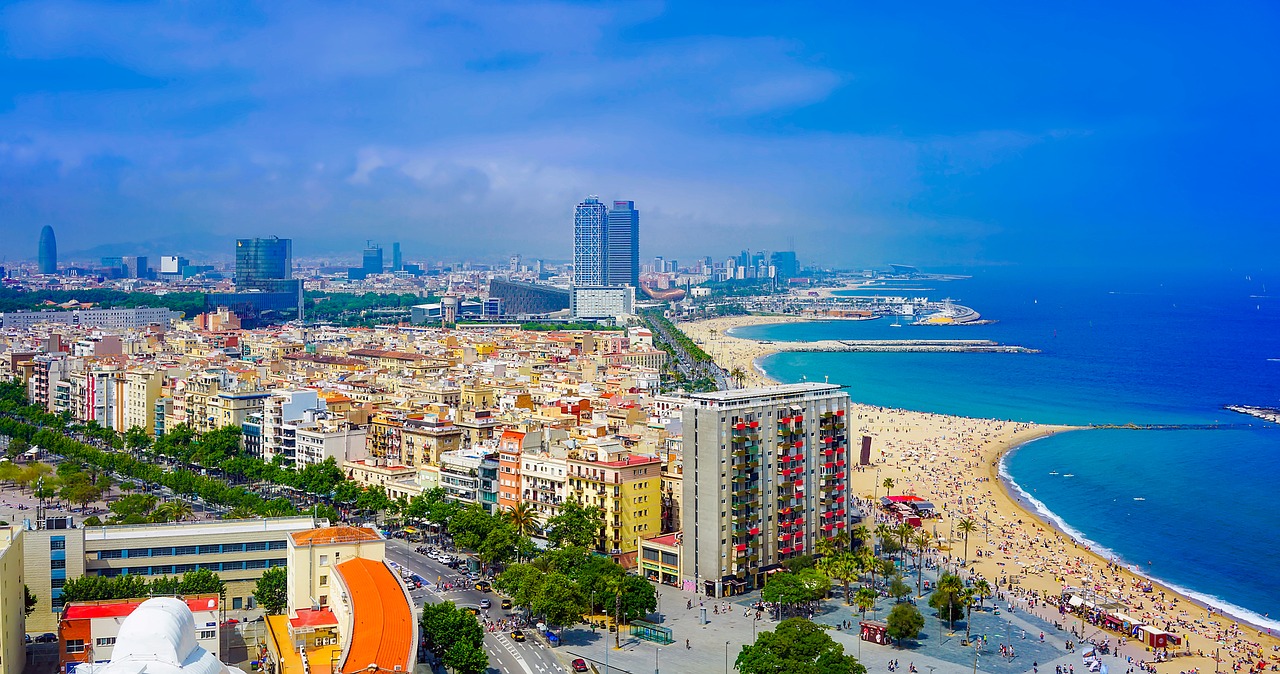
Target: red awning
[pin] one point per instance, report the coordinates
(740, 426)
(741, 547)
(755, 531)
(799, 418)
(799, 443)
(784, 550)
(839, 413)
(754, 424)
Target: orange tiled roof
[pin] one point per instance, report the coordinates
(339, 534)
(382, 621)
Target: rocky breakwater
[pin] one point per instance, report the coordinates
(903, 345)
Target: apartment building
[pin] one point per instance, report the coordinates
(542, 481)
(765, 478)
(424, 440)
(141, 391)
(626, 486)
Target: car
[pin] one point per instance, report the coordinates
(47, 638)
(506, 603)
(517, 635)
(485, 603)
(579, 665)
(483, 586)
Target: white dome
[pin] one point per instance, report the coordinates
(159, 637)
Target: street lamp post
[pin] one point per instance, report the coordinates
(726, 657)
(659, 596)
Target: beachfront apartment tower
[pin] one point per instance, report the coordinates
(766, 476)
(589, 241)
(622, 245)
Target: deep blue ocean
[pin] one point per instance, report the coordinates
(1115, 349)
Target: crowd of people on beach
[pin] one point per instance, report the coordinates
(947, 461)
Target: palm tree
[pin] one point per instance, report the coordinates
(921, 539)
(951, 584)
(865, 600)
(887, 484)
(860, 534)
(884, 532)
(966, 527)
(738, 376)
(522, 518)
(842, 567)
(239, 513)
(903, 532)
(983, 589)
(966, 597)
(173, 511)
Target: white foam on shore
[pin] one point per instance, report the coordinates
(1218, 604)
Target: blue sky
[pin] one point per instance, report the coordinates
(1132, 133)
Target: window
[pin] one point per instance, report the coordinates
(58, 543)
(75, 645)
(139, 552)
(233, 547)
(324, 600)
(57, 564)
(208, 634)
(255, 546)
(324, 560)
(237, 603)
(110, 554)
(277, 545)
(187, 550)
(184, 568)
(256, 564)
(210, 549)
(104, 641)
(161, 552)
(324, 580)
(55, 583)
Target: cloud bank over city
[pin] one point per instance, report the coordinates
(923, 135)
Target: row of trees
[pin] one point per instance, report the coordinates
(129, 586)
(455, 637)
(12, 299)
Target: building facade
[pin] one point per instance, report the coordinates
(589, 243)
(622, 245)
(13, 625)
(765, 478)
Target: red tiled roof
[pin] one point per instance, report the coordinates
(382, 620)
(339, 534)
(125, 607)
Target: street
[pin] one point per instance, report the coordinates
(505, 655)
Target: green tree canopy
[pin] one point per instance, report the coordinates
(576, 525)
(904, 622)
(796, 646)
(271, 592)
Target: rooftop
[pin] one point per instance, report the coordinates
(119, 608)
(271, 524)
(764, 392)
(339, 534)
(382, 620)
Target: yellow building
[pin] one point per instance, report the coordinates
(424, 440)
(13, 622)
(141, 391)
(347, 612)
(627, 487)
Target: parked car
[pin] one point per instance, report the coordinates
(580, 665)
(47, 638)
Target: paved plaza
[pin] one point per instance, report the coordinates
(937, 651)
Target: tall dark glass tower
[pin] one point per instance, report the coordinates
(48, 251)
(589, 243)
(262, 264)
(397, 262)
(622, 245)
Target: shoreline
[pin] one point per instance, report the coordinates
(1054, 558)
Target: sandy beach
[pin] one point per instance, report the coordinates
(953, 462)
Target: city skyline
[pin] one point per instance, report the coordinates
(881, 131)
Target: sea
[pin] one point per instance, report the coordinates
(1191, 504)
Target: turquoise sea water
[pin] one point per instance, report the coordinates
(1143, 350)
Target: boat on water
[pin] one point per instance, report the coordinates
(1053, 472)
(1139, 498)
(1069, 475)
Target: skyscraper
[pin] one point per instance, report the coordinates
(262, 263)
(372, 259)
(397, 262)
(622, 245)
(48, 251)
(589, 243)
